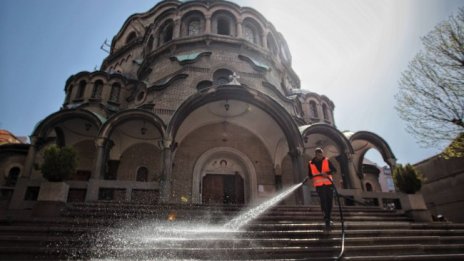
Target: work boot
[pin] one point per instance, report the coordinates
(328, 224)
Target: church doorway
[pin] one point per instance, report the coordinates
(223, 189)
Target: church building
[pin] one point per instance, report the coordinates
(196, 103)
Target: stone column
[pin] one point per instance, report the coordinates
(100, 144)
(24, 180)
(103, 145)
(166, 175)
(264, 40)
(355, 180)
(298, 176)
(239, 29)
(208, 25)
(30, 159)
(176, 29)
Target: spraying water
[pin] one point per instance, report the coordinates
(245, 218)
(166, 239)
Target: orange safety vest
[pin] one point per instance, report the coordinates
(318, 180)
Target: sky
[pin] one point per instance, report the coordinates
(352, 51)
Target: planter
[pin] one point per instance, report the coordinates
(415, 207)
(52, 199)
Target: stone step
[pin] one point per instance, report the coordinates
(283, 233)
(134, 207)
(429, 257)
(228, 253)
(85, 240)
(351, 228)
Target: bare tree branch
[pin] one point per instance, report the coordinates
(431, 95)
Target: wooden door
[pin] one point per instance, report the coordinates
(223, 189)
(213, 189)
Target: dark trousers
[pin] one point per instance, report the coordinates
(325, 193)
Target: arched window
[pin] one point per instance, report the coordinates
(223, 26)
(81, 89)
(97, 89)
(223, 23)
(68, 94)
(203, 85)
(131, 37)
(368, 186)
(13, 176)
(325, 112)
(142, 174)
(194, 27)
(251, 31)
(271, 44)
(193, 23)
(167, 32)
(285, 54)
(221, 76)
(150, 43)
(249, 34)
(313, 109)
(115, 90)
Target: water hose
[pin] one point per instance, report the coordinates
(342, 221)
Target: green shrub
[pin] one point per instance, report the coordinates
(407, 179)
(59, 163)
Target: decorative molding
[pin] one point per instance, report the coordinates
(258, 66)
(189, 58)
(163, 83)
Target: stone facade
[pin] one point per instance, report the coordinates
(195, 98)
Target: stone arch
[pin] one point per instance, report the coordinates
(201, 169)
(282, 118)
(132, 114)
(48, 124)
(341, 152)
(149, 129)
(371, 140)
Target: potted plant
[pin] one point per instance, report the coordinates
(58, 164)
(409, 181)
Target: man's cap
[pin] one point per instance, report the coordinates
(319, 150)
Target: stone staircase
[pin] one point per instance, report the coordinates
(130, 231)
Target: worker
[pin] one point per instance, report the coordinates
(320, 170)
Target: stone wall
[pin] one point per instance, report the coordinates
(443, 188)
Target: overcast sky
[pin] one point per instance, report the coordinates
(352, 51)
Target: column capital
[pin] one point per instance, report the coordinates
(165, 143)
(296, 152)
(100, 142)
(392, 162)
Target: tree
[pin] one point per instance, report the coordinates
(407, 179)
(59, 163)
(431, 95)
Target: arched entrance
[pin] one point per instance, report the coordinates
(224, 175)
